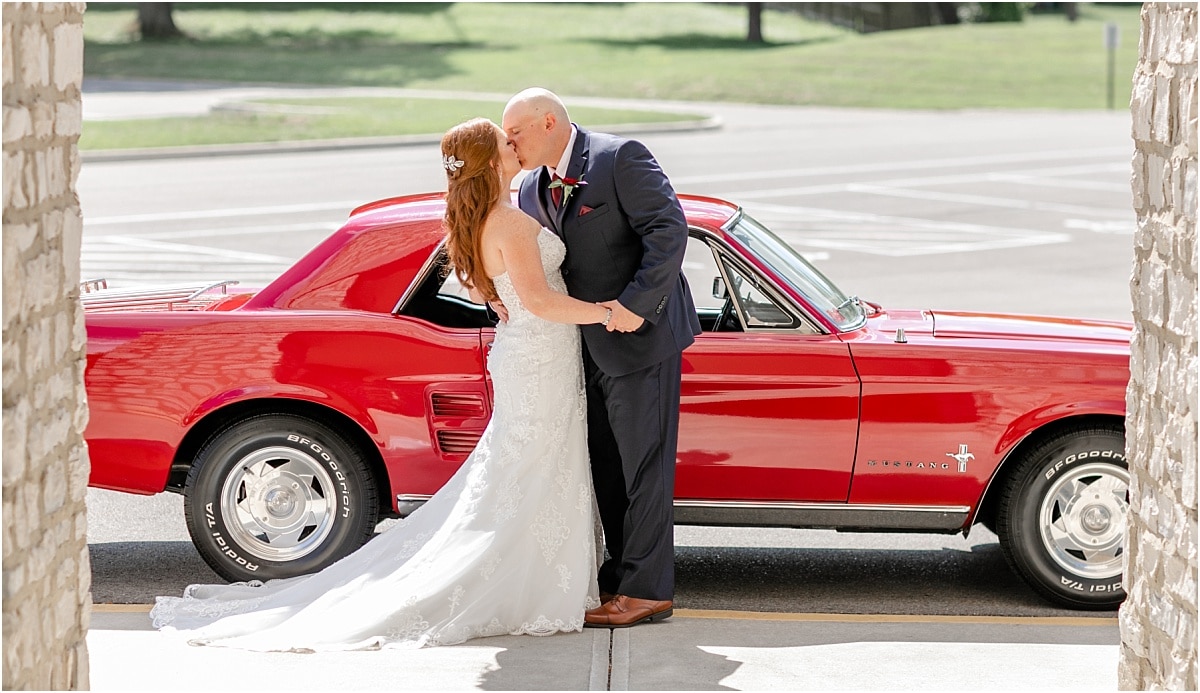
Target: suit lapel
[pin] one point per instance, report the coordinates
(575, 169)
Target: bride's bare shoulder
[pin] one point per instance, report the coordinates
(511, 221)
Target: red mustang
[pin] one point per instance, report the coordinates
(293, 418)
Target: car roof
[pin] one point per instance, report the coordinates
(700, 210)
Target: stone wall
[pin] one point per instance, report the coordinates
(46, 574)
(1158, 620)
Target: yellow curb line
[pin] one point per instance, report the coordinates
(776, 616)
(121, 608)
(894, 618)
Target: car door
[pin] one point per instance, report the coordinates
(445, 381)
(770, 402)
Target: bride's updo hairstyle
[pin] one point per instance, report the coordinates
(471, 158)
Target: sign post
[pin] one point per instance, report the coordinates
(1112, 39)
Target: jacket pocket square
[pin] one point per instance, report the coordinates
(585, 210)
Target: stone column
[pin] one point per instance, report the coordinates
(1158, 619)
(46, 574)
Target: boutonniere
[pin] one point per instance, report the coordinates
(568, 185)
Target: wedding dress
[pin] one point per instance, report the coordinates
(507, 546)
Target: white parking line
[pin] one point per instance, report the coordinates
(805, 227)
(182, 249)
(1126, 227)
(983, 200)
(892, 236)
(258, 229)
(124, 260)
(1048, 174)
(222, 213)
(969, 161)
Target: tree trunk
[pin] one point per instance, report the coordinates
(947, 12)
(754, 35)
(155, 21)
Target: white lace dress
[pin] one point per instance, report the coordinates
(507, 546)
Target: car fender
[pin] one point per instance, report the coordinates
(291, 391)
(1029, 425)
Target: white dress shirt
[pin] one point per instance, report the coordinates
(565, 161)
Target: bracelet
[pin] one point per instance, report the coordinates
(607, 317)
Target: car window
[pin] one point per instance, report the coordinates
(453, 287)
(757, 309)
(716, 281)
(441, 299)
(846, 312)
(703, 275)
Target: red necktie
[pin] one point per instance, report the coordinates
(556, 192)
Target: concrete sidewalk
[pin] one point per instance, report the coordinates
(694, 650)
(114, 99)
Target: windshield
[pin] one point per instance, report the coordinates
(844, 311)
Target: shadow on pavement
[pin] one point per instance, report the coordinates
(857, 581)
(788, 580)
(135, 572)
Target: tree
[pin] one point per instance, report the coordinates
(155, 21)
(947, 12)
(754, 35)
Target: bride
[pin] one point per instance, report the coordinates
(507, 546)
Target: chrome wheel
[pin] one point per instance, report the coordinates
(278, 503)
(1082, 520)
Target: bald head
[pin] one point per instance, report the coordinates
(537, 124)
(536, 100)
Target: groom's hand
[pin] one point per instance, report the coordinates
(498, 307)
(623, 319)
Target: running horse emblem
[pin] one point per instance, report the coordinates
(962, 456)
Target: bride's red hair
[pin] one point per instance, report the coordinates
(471, 156)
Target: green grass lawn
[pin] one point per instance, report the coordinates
(326, 118)
(686, 51)
(660, 50)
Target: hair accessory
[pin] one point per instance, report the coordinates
(452, 164)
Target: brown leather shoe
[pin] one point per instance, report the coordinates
(624, 611)
(606, 597)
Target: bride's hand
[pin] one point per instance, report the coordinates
(623, 319)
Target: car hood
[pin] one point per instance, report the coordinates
(1003, 326)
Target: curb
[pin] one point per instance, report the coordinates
(788, 617)
(253, 148)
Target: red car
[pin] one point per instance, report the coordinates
(294, 417)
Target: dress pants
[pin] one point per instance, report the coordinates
(633, 431)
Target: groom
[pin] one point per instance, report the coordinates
(625, 234)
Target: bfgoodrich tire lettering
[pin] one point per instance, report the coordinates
(278, 496)
(1061, 520)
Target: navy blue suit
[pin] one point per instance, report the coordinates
(626, 235)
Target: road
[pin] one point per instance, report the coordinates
(978, 210)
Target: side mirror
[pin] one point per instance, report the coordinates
(718, 289)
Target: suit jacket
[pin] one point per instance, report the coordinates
(625, 235)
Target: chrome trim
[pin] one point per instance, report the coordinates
(422, 275)
(96, 297)
(996, 472)
(734, 221)
(724, 253)
(798, 313)
(938, 519)
(407, 504)
(820, 506)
